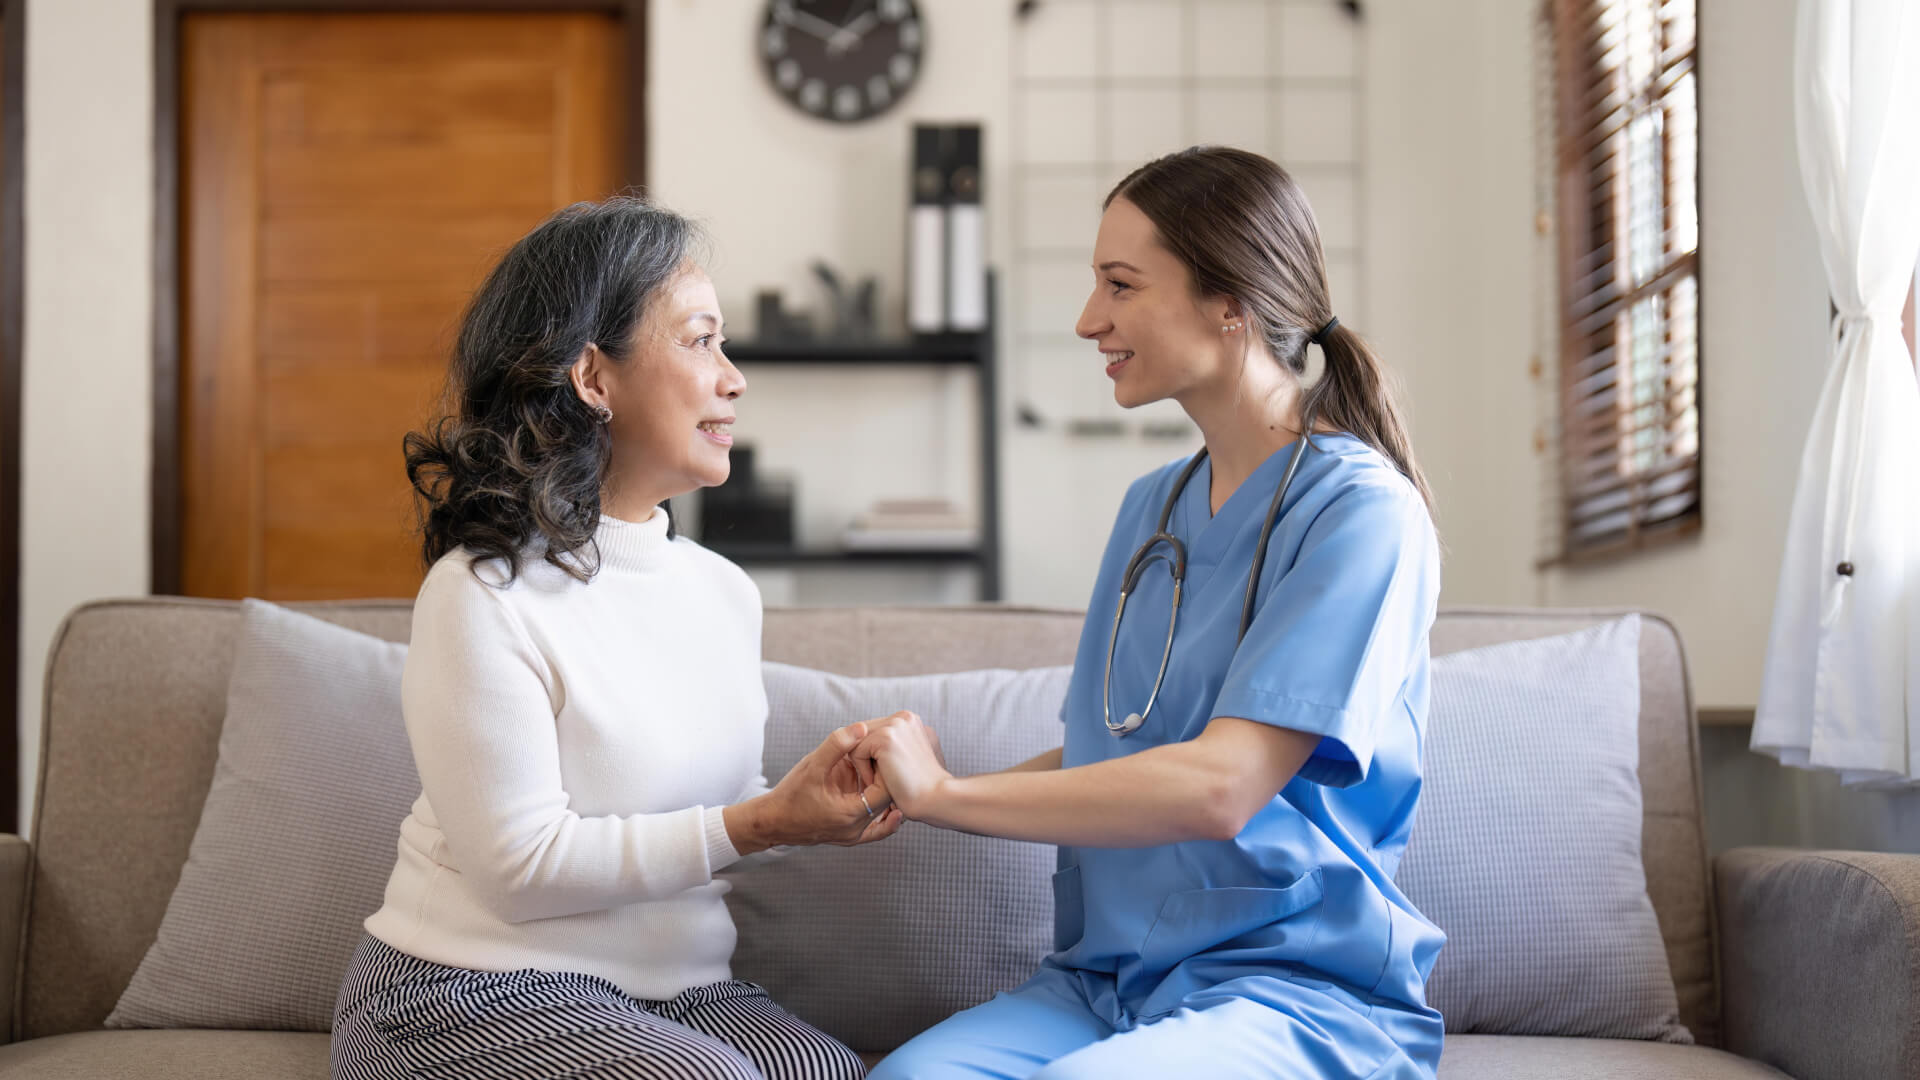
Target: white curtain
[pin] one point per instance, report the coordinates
(1841, 689)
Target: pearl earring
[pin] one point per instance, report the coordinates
(603, 414)
(1230, 328)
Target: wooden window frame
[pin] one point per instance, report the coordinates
(1600, 479)
(165, 569)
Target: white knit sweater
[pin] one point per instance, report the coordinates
(576, 743)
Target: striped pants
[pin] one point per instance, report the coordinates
(402, 1018)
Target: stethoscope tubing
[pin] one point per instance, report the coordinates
(1145, 555)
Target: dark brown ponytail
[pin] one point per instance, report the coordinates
(1244, 229)
(1354, 396)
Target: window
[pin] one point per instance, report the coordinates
(1625, 162)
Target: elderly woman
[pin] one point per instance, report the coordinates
(583, 698)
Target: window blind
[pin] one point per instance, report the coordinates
(1626, 154)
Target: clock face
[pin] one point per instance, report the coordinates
(842, 60)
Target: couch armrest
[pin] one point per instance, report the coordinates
(16, 858)
(1820, 961)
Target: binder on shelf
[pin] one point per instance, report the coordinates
(966, 234)
(927, 232)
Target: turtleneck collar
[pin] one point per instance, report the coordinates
(632, 545)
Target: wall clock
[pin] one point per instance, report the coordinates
(842, 60)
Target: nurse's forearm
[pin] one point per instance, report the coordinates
(1159, 796)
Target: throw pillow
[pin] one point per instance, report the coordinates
(1526, 847)
(875, 944)
(297, 837)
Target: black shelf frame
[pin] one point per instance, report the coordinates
(927, 349)
(974, 350)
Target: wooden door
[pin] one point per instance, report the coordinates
(346, 182)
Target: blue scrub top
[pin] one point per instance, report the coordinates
(1337, 648)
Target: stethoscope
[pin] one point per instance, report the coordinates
(1178, 566)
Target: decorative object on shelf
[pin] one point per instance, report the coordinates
(773, 322)
(946, 233)
(966, 234)
(748, 509)
(842, 60)
(927, 232)
(911, 525)
(853, 315)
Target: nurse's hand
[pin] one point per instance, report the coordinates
(868, 774)
(906, 753)
(821, 800)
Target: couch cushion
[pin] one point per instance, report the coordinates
(297, 837)
(1520, 1057)
(169, 1055)
(1673, 838)
(875, 944)
(135, 695)
(1526, 849)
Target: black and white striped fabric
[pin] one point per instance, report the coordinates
(403, 1018)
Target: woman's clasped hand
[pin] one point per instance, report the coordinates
(826, 798)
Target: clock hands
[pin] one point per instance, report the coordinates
(839, 38)
(849, 35)
(808, 21)
(839, 86)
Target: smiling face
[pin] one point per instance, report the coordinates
(672, 399)
(1159, 339)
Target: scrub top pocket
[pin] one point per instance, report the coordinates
(1203, 920)
(1069, 912)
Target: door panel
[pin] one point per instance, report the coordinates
(347, 180)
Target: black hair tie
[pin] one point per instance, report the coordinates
(1320, 336)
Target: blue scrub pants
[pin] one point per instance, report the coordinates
(1256, 1027)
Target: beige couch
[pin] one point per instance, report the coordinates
(1808, 961)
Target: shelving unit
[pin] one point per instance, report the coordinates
(972, 350)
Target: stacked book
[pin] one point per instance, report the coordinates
(911, 525)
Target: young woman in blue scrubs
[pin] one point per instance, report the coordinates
(1225, 905)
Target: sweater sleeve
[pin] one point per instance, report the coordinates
(720, 850)
(479, 705)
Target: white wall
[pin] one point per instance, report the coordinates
(1449, 128)
(86, 406)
